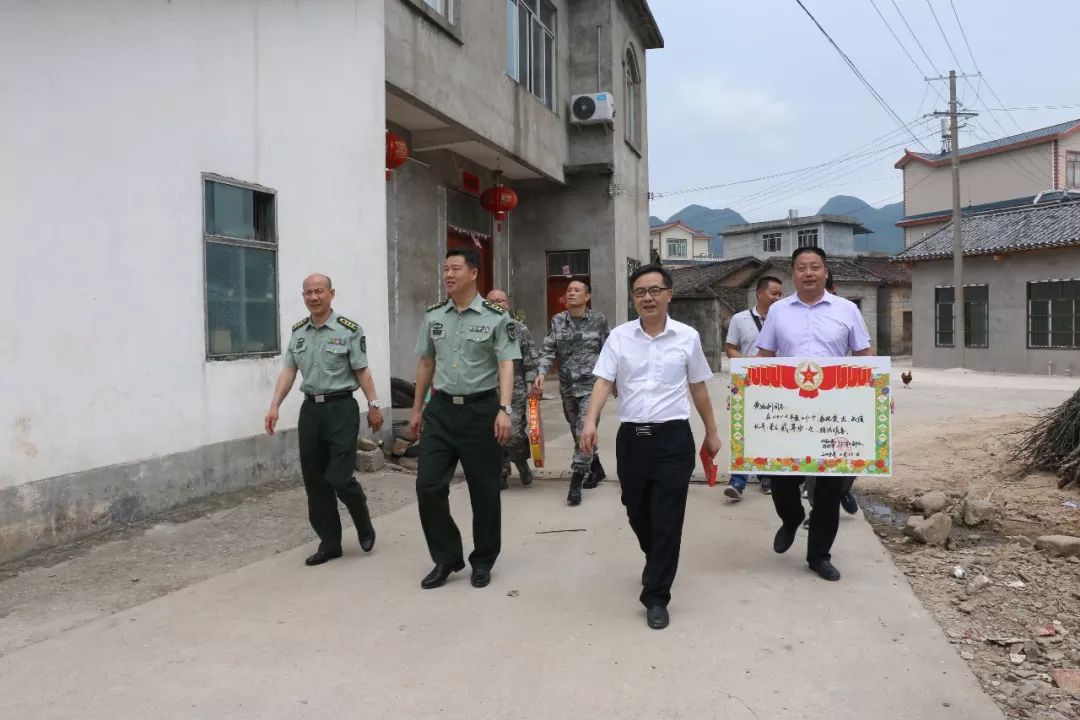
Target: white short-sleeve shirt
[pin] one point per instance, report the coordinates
(831, 327)
(743, 331)
(653, 374)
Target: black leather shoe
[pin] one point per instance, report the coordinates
(480, 577)
(322, 556)
(657, 617)
(785, 536)
(437, 576)
(825, 569)
(367, 540)
(849, 503)
(576, 482)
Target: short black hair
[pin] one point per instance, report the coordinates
(472, 258)
(588, 287)
(816, 250)
(829, 282)
(652, 268)
(764, 280)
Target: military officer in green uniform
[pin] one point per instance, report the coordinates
(330, 351)
(468, 346)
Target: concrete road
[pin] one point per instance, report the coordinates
(558, 634)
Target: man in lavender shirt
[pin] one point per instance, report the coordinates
(811, 323)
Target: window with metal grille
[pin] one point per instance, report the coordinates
(569, 262)
(1054, 314)
(530, 49)
(240, 256)
(464, 212)
(771, 242)
(808, 238)
(976, 316)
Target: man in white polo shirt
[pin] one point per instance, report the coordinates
(655, 360)
(742, 342)
(811, 323)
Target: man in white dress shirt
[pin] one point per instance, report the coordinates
(811, 323)
(655, 360)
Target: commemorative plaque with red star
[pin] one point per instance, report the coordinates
(811, 416)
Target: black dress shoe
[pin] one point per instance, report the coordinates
(657, 617)
(367, 540)
(322, 556)
(785, 536)
(849, 503)
(480, 577)
(439, 573)
(825, 569)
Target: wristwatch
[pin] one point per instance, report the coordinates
(508, 409)
(374, 404)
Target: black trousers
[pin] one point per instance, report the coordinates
(466, 433)
(654, 465)
(825, 517)
(327, 434)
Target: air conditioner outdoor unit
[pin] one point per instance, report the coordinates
(592, 109)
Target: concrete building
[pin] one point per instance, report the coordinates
(486, 86)
(705, 297)
(1021, 291)
(171, 172)
(835, 234)
(1006, 172)
(676, 243)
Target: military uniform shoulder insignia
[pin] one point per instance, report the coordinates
(299, 324)
(498, 309)
(437, 305)
(347, 323)
(511, 330)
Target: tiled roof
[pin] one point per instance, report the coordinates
(890, 273)
(844, 270)
(1031, 137)
(699, 279)
(657, 229)
(1046, 197)
(733, 298)
(1004, 231)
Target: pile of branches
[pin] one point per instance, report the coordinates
(1052, 444)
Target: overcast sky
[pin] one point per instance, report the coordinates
(752, 88)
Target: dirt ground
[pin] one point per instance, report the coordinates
(1026, 622)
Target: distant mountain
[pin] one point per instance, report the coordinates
(886, 238)
(654, 221)
(711, 221)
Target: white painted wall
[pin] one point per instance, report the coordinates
(109, 113)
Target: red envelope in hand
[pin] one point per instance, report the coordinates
(710, 467)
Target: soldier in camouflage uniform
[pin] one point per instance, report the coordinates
(517, 449)
(575, 339)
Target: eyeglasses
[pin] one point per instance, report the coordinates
(654, 291)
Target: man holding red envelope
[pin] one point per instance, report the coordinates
(656, 360)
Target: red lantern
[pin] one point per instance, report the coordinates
(499, 200)
(397, 152)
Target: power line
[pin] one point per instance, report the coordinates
(974, 62)
(944, 36)
(1033, 107)
(916, 39)
(877, 96)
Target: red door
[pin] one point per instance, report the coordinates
(556, 293)
(460, 241)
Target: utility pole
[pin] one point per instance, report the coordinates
(958, 244)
